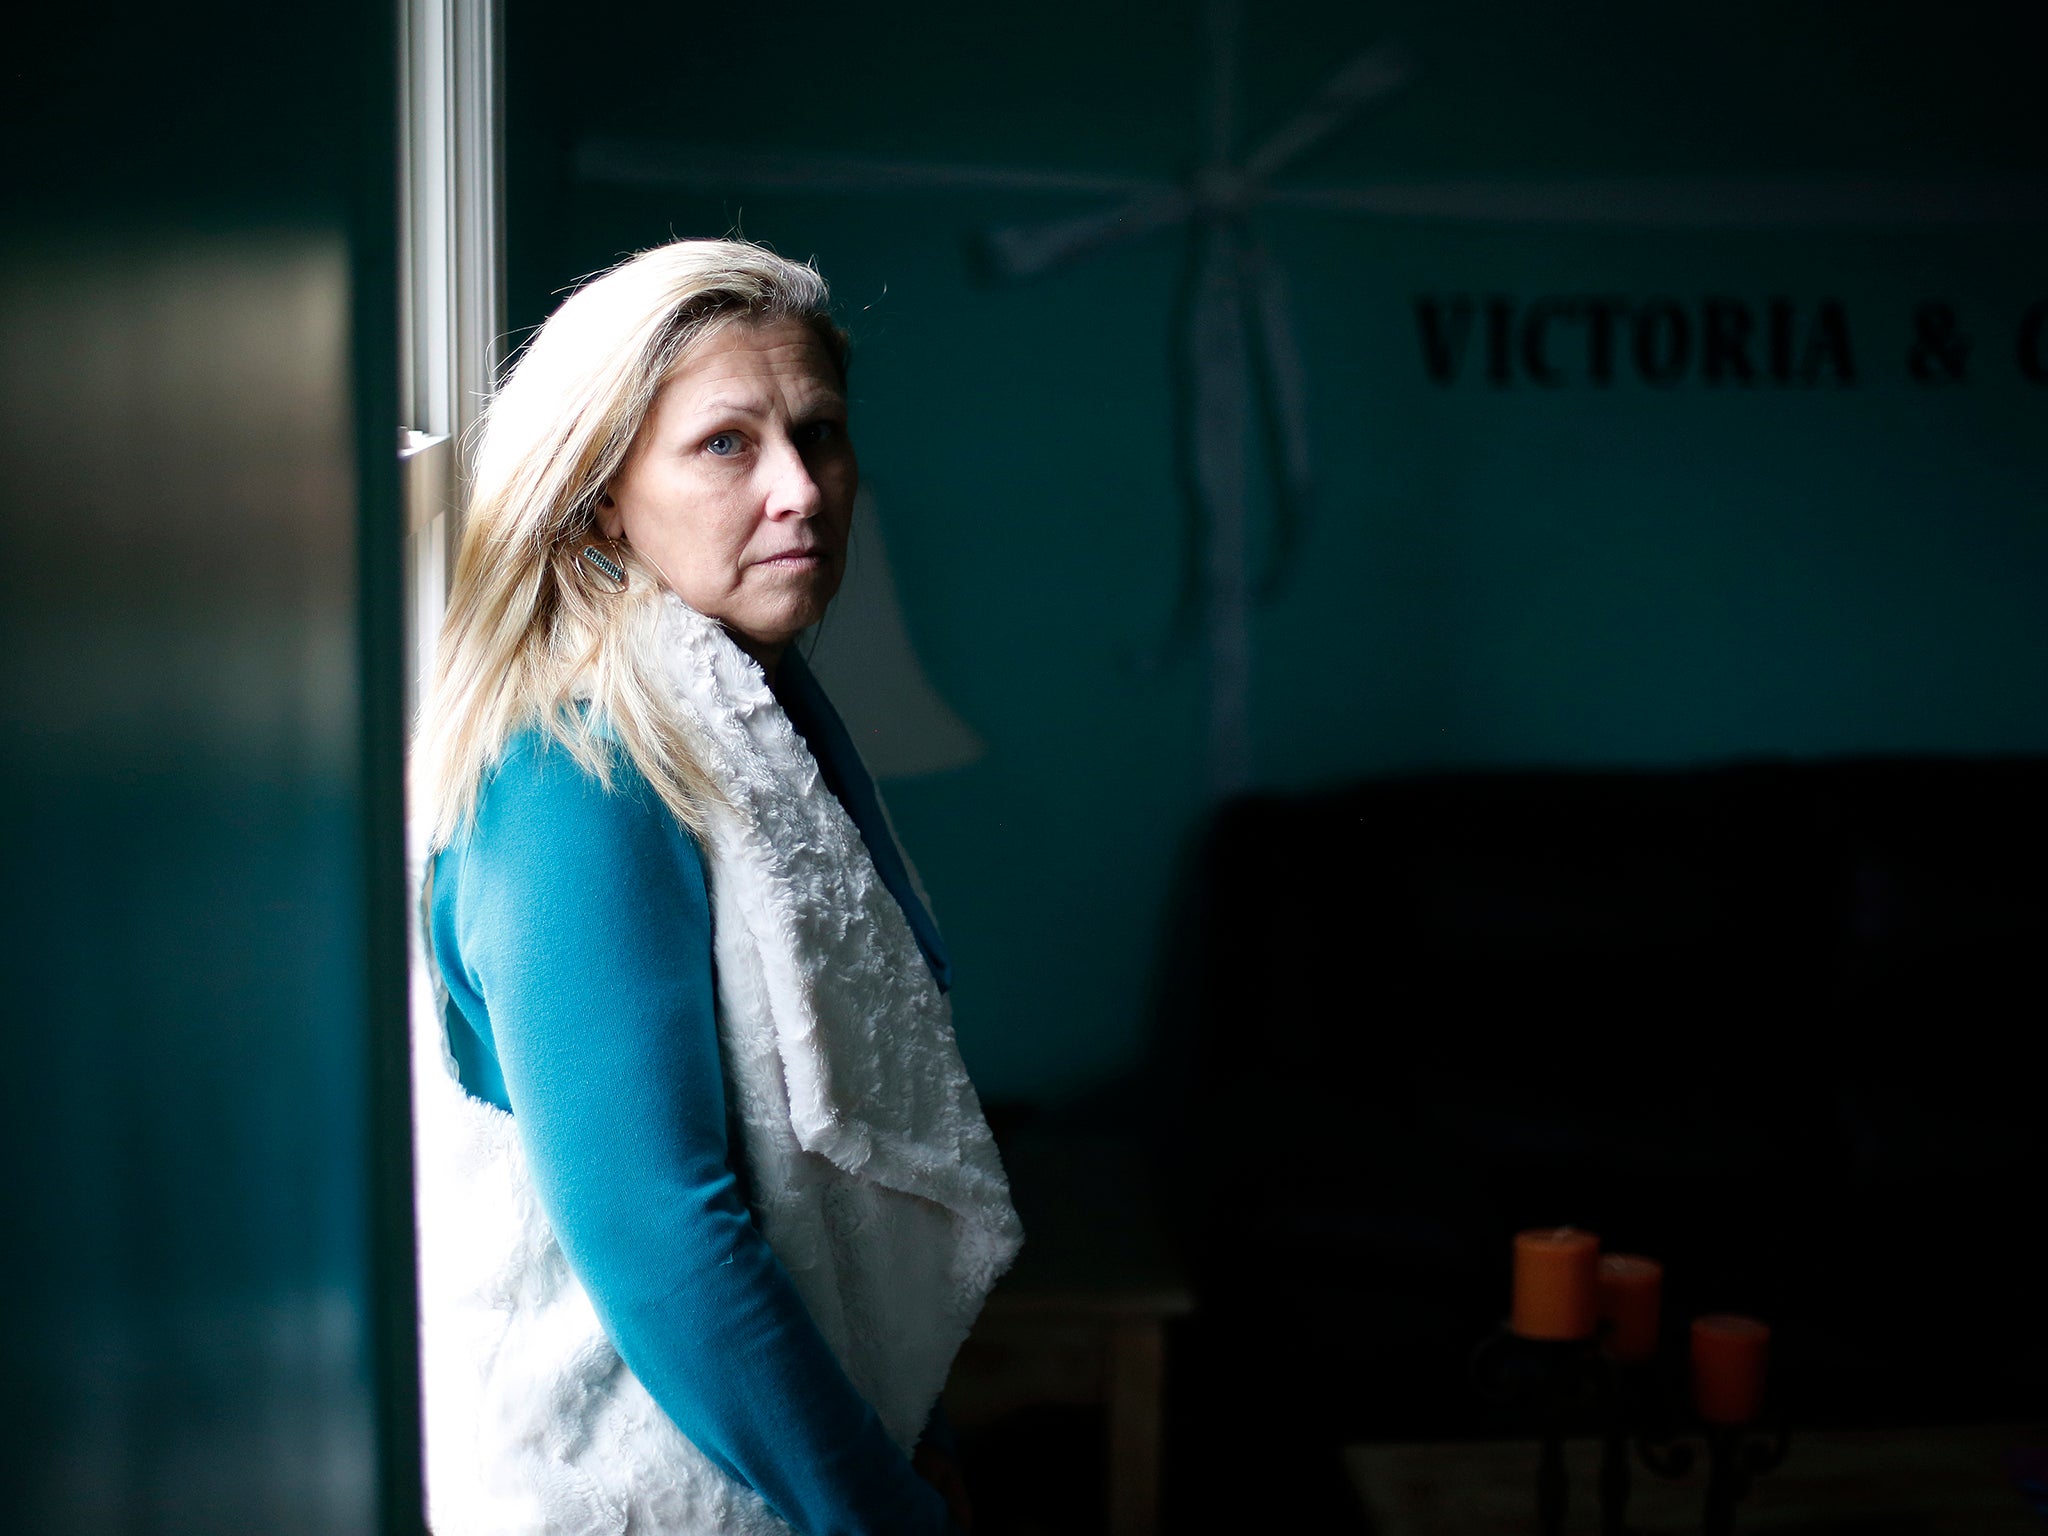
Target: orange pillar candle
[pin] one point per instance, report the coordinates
(1631, 1290)
(1557, 1285)
(1728, 1359)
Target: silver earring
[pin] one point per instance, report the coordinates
(607, 565)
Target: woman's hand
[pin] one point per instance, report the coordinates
(943, 1473)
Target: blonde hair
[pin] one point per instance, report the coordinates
(529, 636)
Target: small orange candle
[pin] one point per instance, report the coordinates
(1631, 1290)
(1728, 1359)
(1557, 1285)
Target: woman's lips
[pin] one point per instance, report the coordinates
(794, 560)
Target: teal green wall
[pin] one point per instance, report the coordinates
(1628, 575)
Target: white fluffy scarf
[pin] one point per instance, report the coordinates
(874, 1176)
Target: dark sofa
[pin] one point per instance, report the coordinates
(1777, 1024)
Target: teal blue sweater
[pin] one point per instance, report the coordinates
(573, 927)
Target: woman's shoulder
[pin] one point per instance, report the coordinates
(544, 796)
(559, 862)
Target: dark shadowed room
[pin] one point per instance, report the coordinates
(922, 770)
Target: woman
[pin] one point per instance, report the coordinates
(707, 1200)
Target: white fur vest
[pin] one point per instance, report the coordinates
(873, 1174)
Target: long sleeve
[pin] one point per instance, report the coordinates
(576, 939)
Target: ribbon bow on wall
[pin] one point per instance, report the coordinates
(1240, 338)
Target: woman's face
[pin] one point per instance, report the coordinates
(740, 485)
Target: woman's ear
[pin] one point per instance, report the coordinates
(610, 520)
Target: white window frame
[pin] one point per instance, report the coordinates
(451, 311)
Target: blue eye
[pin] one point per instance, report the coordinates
(816, 432)
(723, 444)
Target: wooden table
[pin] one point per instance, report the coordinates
(1081, 1318)
(1913, 1482)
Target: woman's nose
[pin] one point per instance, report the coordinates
(792, 492)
